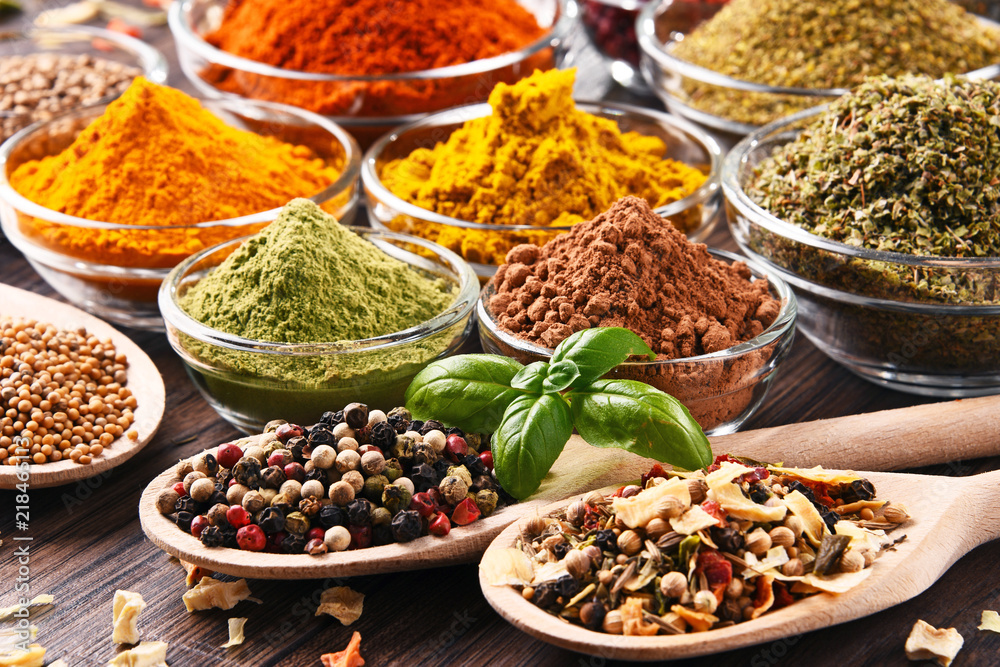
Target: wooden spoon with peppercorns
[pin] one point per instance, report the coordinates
(949, 517)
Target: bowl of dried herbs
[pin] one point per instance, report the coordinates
(882, 212)
(741, 64)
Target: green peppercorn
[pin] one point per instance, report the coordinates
(297, 523)
(486, 501)
(454, 489)
(424, 453)
(373, 487)
(396, 498)
(247, 472)
(462, 473)
(400, 413)
(474, 441)
(393, 470)
(381, 517)
(403, 449)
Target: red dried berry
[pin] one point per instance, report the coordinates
(286, 432)
(422, 504)
(487, 458)
(198, 524)
(280, 458)
(364, 449)
(295, 471)
(237, 516)
(440, 526)
(456, 447)
(251, 538)
(228, 454)
(179, 489)
(315, 547)
(361, 536)
(315, 534)
(275, 539)
(465, 512)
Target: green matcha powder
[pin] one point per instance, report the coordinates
(308, 279)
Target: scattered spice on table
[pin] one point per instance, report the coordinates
(308, 279)
(146, 653)
(39, 86)
(689, 552)
(990, 621)
(341, 602)
(236, 636)
(828, 44)
(63, 393)
(400, 36)
(630, 268)
(356, 479)
(126, 607)
(18, 656)
(349, 657)
(929, 643)
(535, 160)
(157, 157)
(211, 593)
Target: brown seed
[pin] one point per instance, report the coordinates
(629, 542)
(782, 536)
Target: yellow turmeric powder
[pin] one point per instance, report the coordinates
(156, 157)
(536, 160)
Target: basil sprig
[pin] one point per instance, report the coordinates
(533, 409)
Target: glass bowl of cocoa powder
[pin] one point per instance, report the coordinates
(722, 389)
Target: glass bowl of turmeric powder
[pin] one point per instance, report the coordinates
(411, 58)
(694, 210)
(251, 382)
(114, 269)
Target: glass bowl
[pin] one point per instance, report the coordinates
(82, 259)
(610, 25)
(722, 390)
(367, 106)
(853, 304)
(696, 214)
(691, 90)
(249, 382)
(77, 41)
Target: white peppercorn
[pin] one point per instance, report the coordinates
(355, 479)
(313, 489)
(291, 490)
(166, 501)
(190, 479)
(348, 460)
(257, 453)
(253, 502)
(376, 416)
(235, 493)
(183, 468)
(436, 439)
(406, 483)
(372, 463)
(341, 493)
(337, 538)
(324, 456)
(201, 489)
(342, 430)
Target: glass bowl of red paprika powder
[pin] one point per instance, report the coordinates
(115, 269)
(366, 104)
(722, 389)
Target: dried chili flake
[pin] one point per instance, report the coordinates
(656, 471)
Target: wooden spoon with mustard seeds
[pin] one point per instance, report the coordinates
(893, 438)
(950, 517)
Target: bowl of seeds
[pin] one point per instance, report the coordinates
(739, 65)
(47, 71)
(880, 211)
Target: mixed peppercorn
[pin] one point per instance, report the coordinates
(687, 552)
(356, 479)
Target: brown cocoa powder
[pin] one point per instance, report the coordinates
(630, 268)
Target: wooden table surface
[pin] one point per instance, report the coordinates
(87, 543)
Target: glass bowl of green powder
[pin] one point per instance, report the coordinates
(885, 231)
(738, 65)
(309, 315)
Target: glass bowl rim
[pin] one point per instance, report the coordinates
(737, 197)
(347, 178)
(372, 181)
(782, 325)
(627, 5)
(460, 308)
(187, 38)
(650, 45)
(150, 60)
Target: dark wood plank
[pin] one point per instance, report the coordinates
(87, 543)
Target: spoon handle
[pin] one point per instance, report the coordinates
(978, 507)
(888, 440)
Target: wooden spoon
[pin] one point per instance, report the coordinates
(951, 516)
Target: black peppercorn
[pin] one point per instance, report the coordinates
(424, 453)
(247, 472)
(297, 446)
(475, 465)
(272, 520)
(273, 477)
(567, 586)
(382, 435)
(605, 540)
(332, 418)
(430, 425)
(406, 526)
(228, 536)
(293, 544)
(546, 596)
(359, 512)
(441, 468)
(424, 477)
(217, 498)
(398, 424)
(483, 483)
(330, 516)
(382, 535)
(186, 504)
(317, 474)
(560, 550)
(454, 430)
(416, 425)
(212, 536)
(592, 614)
(184, 519)
(727, 539)
(356, 415)
(759, 493)
(321, 434)
(860, 489)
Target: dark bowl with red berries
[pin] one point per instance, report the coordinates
(610, 25)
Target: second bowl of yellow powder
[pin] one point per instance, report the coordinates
(530, 164)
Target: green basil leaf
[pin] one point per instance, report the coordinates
(596, 351)
(531, 377)
(530, 438)
(641, 419)
(470, 391)
(561, 375)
